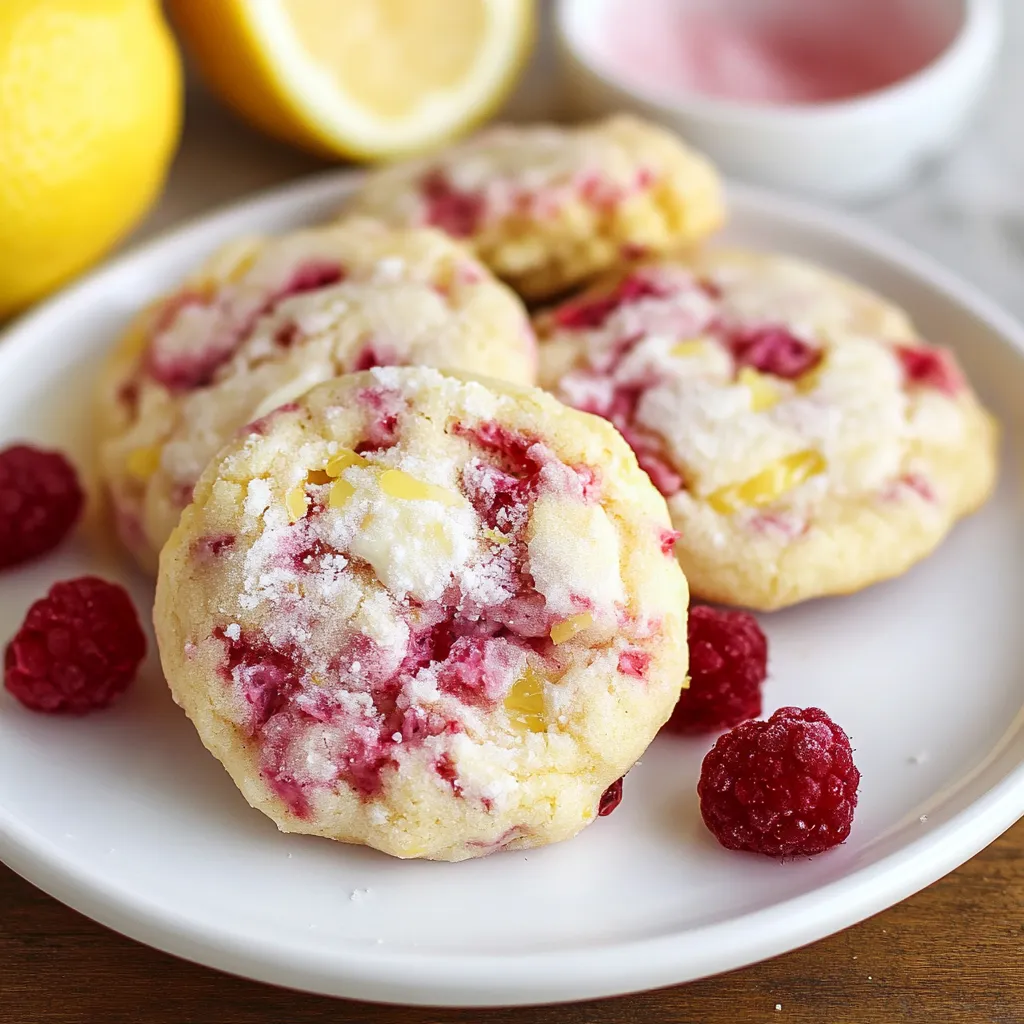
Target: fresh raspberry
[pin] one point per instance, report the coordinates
(78, 648)
(774, 350)
(40, 500)
(728, 664)
(610, 799)
(786, 787)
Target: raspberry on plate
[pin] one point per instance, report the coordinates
(785, 787)
(40, 501)
(78, 648)
(728, 664)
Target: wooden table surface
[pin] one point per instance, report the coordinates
(953, 953)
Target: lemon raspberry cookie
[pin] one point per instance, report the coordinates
(547, 207)
(435, 615)
(263, 322)
(807, 441)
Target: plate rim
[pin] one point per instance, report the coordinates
(614, 968)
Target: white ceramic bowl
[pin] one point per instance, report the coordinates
(852, 149)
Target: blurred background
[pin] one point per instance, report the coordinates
(91, 115)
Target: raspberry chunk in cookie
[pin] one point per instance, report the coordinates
(786, 787)
(40, 502)
(77, 650)
(728, 665)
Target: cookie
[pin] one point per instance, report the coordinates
(806, 440)
(434, 615)
(263, 322)
(548, 207)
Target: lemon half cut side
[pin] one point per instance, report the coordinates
(365, 79)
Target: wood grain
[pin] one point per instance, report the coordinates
(954, 952)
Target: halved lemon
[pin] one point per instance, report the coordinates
(365, 79)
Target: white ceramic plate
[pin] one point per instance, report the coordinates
(124, 816)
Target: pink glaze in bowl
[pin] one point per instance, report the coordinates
(847, 102)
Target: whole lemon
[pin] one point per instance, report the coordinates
(90, 110)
